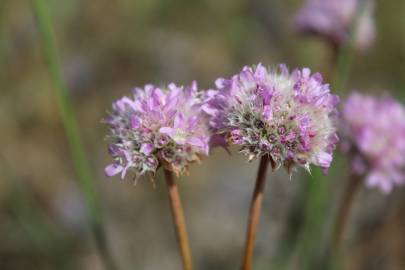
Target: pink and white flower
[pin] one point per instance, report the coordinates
(288, 116)
(157, 127)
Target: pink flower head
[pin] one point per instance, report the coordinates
(157, 127)
(332, 20)
(274, 112)
(374, 134)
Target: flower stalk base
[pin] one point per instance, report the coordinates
(254, 214)
(179, 221)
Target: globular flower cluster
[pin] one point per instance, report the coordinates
(333, 19)
(374, 135)
(288, 116)
(157, 127)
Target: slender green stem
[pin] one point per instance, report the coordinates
(343, 212)
(331, 258)
(317, 199)
(345, 53)
(315, 205)
(179, 221)
(71, 130)
(254, 213)
(3, 64)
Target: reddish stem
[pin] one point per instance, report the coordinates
(179, 221)
(254, 214)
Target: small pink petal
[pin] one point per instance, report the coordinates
(168, 131)
(113, 169)
(147, 148)
(196, 142)
(135, 123)
(323, 159)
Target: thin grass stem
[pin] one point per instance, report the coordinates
(345, 53)
(343, 212)
(71, 130)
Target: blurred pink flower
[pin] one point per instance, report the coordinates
(374, 132)
(332, 20)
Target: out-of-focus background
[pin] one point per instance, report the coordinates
(107, 47)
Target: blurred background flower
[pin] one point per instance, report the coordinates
(374, 134)
(334, 19)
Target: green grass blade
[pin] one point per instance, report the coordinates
(71, 129)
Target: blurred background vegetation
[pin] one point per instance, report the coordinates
(105, 48)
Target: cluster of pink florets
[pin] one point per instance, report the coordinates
(157, 127)
(288, 116)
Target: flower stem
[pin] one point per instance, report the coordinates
(343, 212)
(345, 53)
(179, 221)
(317, 198)
(254, 215)
(71, 130)
(313, 221)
